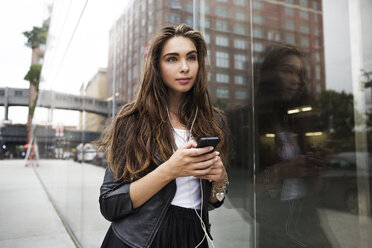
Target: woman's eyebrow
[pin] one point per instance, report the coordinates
(177, 54)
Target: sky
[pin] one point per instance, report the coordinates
(63, 71)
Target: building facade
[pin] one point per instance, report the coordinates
(238, 32)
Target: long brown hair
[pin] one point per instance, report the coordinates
(141, 132)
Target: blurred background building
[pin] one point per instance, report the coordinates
(237, 37)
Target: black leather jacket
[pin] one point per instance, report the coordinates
(138, 227)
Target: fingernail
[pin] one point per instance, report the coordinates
(211, 148)
(217, 153)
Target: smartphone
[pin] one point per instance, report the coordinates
(208, 141)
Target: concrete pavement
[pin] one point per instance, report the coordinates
(27, 217)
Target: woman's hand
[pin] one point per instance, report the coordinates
(217, 174)
(191, 161)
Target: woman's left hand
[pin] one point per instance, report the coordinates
(217, 173)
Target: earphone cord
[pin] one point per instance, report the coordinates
(202, 224)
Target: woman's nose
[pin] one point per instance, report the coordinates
(184, 66)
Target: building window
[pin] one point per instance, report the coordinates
(240, 44)
(289, 1)
(240, 61)
(304, 29)
(240, 94)
(304, 15)
(240, 2)
(189, 21)
(290, 38)
(273, 35)
(222, 78)
(221, 12)
(189, 7)
(222, 59)
(289, 25)
(317, 57)
(257, 19)
(175, 18)
(317, 72)
(240, 16)
(316, 31)
(258, 47)
(222, 40)
(223, 93)
(222, 1)
(240, 80)
(206, 23)
(207, 38)
(305, 42)
(257, 5)
(289, 11)
(315, 17)
(315, 5)
(221, 26)
(257, 33)
(239, 29)
(304, 3)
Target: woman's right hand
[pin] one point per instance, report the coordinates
(190, 161)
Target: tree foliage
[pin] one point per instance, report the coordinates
(336, 113)
(37, 36)
(33, 75)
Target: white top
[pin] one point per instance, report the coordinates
(188, 188)
(293, 188)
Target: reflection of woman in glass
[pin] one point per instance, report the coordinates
(286, 206)
(158, 186)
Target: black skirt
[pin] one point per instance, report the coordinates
(181, 228)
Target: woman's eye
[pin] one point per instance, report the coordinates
(192, 58)
(171, 59)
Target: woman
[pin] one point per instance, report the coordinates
(158, 185)
(287, 181)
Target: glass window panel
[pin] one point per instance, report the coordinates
(257, 33)
(240, 16)
(240, 44)
(305, 29)
(240, 61)
(223, 93)
(222, 78)
(240, 2)
(257, 19)
(241, 94)
(289, 11)
(222, 12)
(305, 41)
(257, 5)
(222, 40)
(239, 29)
(304, 14)
(304, 3)
(290, 25)
(240, 80)
(222, 59)
(290, 38)
(221, 26)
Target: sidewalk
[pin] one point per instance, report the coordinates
(27, 217)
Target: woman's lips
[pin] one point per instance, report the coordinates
(183, 80)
